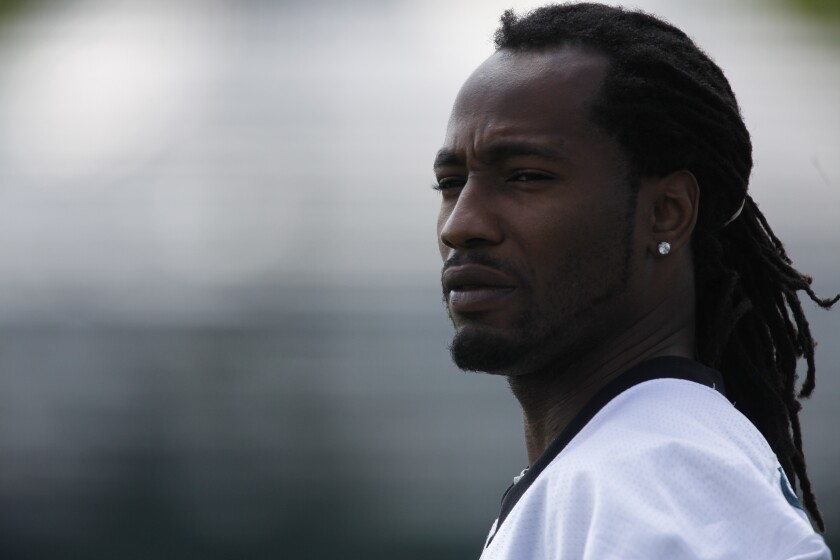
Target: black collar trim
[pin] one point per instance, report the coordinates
(664, 367)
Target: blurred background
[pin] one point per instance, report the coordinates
(221, 333)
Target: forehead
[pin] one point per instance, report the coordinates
(531, 92)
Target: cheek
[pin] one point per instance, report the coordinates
(556, 231)
(572, 245)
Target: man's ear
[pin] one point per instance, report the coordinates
(673, 203)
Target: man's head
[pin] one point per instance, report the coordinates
(592, 134)
(539, 187)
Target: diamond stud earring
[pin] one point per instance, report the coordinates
(664, 248)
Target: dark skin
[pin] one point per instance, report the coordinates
(546, 254)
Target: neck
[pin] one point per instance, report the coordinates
(550, 398)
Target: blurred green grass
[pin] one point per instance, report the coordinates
(10, 8)
(826, 10)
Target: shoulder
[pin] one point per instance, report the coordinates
(670, 469)
(663, 420)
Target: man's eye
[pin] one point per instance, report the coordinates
(448, 183)
(526, 176)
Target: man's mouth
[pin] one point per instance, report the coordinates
(473, 288)
(472, 299)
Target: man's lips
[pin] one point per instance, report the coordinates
(472, 288)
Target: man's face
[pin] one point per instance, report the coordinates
(536, 217)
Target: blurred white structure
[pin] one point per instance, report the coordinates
(218, 270)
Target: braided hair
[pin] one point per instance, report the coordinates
(671, 108)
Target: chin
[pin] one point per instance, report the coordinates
(476, 350)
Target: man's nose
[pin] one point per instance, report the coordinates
(472, 220)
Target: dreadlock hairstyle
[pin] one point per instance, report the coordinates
(671, 108)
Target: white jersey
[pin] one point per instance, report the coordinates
(659, 465)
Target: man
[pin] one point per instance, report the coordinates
(601, 251)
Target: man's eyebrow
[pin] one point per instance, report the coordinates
(500, 151)
(445, 157)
